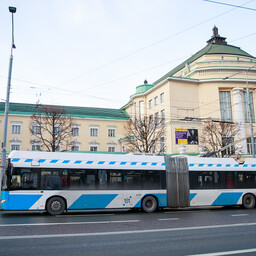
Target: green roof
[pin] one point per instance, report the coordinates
(142, 88)
(83, 112)
(209, 49)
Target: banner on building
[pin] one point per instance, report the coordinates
(186, 136)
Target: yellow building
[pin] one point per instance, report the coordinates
(210, 84)
(94, 129)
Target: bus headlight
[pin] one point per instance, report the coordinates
(3, 201)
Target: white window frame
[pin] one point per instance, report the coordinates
(156, 100)
(36, 128)
(141, 108)
(225, 106)
(163, 117)
(112, 132)
(16, 128)
(94, 131)
(247, 106)
(162, 144)
(36, 145)
(156, 116)
(94, 146)
(162, 97)
(15, 146)
(57, 129)
(111, 149)
(75, 147)
(75, 130)
(150, 104)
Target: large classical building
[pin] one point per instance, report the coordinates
(210, 84)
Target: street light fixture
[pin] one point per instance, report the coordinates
(3, 158)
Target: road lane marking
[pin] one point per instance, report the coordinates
(173, 212)
(84, 215)
(169, 219)
(225, 253)
(125, 232)
(68, 223)
(240, 215)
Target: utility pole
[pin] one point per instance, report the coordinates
(3, 158)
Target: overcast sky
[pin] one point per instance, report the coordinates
(93, 53)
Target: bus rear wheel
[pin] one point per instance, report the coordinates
(55, 206)
(149, 204)
(248, 201)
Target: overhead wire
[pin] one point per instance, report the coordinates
(130, 54)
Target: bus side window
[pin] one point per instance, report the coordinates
(82, 179)
(250, 179)
(229, 180)
(151, 180)
(132, 179)
(29, 180)
(101, 180)
(15, 182)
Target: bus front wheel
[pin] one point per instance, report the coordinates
(248, 201)
(149, 204)
(55, 206)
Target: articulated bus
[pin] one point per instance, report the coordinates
(59, 182)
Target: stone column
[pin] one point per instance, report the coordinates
(239, 118)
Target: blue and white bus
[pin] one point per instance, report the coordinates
(59, 182)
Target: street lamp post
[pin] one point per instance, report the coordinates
(3, 158)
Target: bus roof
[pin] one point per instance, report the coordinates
(38, 159)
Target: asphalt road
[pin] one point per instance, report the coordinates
(200, 231)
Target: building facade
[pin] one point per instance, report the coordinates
(210, 85)
(93, 129)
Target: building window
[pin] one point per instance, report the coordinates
(247, 105)
(111, 149)
(156, 100)
(36, 129)
(156, 118)
(150, 104)
(153, 148)
(75, 130)
(15, 146)
(227, 141)
(151, 122)
(225, 106)
(162, 145)
(74, 148)
(57, 146)
(163, 117)
(36, 147)
(141, 108)
(57, 130)
(161, 97)
(249, 145)
(93, 148)
(16, 129)
(94, 131)
(111, 132)
(75, 145)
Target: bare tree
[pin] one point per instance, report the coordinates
(216, 135)
(52, 128)
(145, 135)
